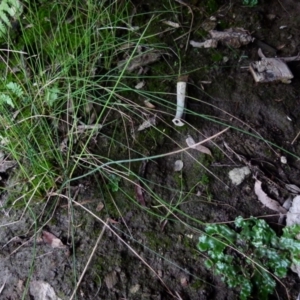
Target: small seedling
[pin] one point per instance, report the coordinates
(113, 184)
(251, 258)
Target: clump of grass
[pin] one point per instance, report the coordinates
(51, 84)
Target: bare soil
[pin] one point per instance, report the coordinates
(260, 116)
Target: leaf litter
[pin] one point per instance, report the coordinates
(151, 121)
(266, 200)
(139, 194)
(42, 290)
(192, 144)
(52, 240)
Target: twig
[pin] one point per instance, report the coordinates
(3, 285)
(293, 141)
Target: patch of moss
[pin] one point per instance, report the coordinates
(198, 284)
(157, 241)
(216, 56)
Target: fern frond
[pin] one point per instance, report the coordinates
(2, 29)
(15, 88)
(14, 8)
(5, 99)
(9, 8)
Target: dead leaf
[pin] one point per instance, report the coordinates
(163, 225)
(6, 164)
(280, 46)
(139, 61)
(234, 37)
(111, 279)
(42, 290)
(140, 85)
(112, 221)
(20, 285)
(171, 24)
(198, 194)
(191, 143)
(266, 200)
(149, 104)
(212, 43)
(139, 194)
(52, 240)
(148, 123)
(100, 206)
(293, 188)
(134, 289)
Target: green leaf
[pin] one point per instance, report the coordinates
(246, 290)
(221, 230)
(52, 95)
(291, 231)
(203, 244)
(209, 264)
(9, 8)
(239, 221)
(114, 182)
(261, 247)
(6, 99)
(15, 88)
(274, 260)
(265, 284)
(257, 231)
(207, 243)
(290, 244)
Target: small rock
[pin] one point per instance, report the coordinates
(178, 165)
(111, 279)
(237, 175)
(283, 160)
(134, 289)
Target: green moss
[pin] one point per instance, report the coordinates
(218, 155)
(216, 56)
(198, 284)
(178, 178)
(99, 264)
(157, 242)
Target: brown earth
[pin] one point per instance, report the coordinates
(263, 122)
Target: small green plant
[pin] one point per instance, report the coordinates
(12, 89)
(250, 3)
(9, 9)
(113, 184)
(248, 259)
